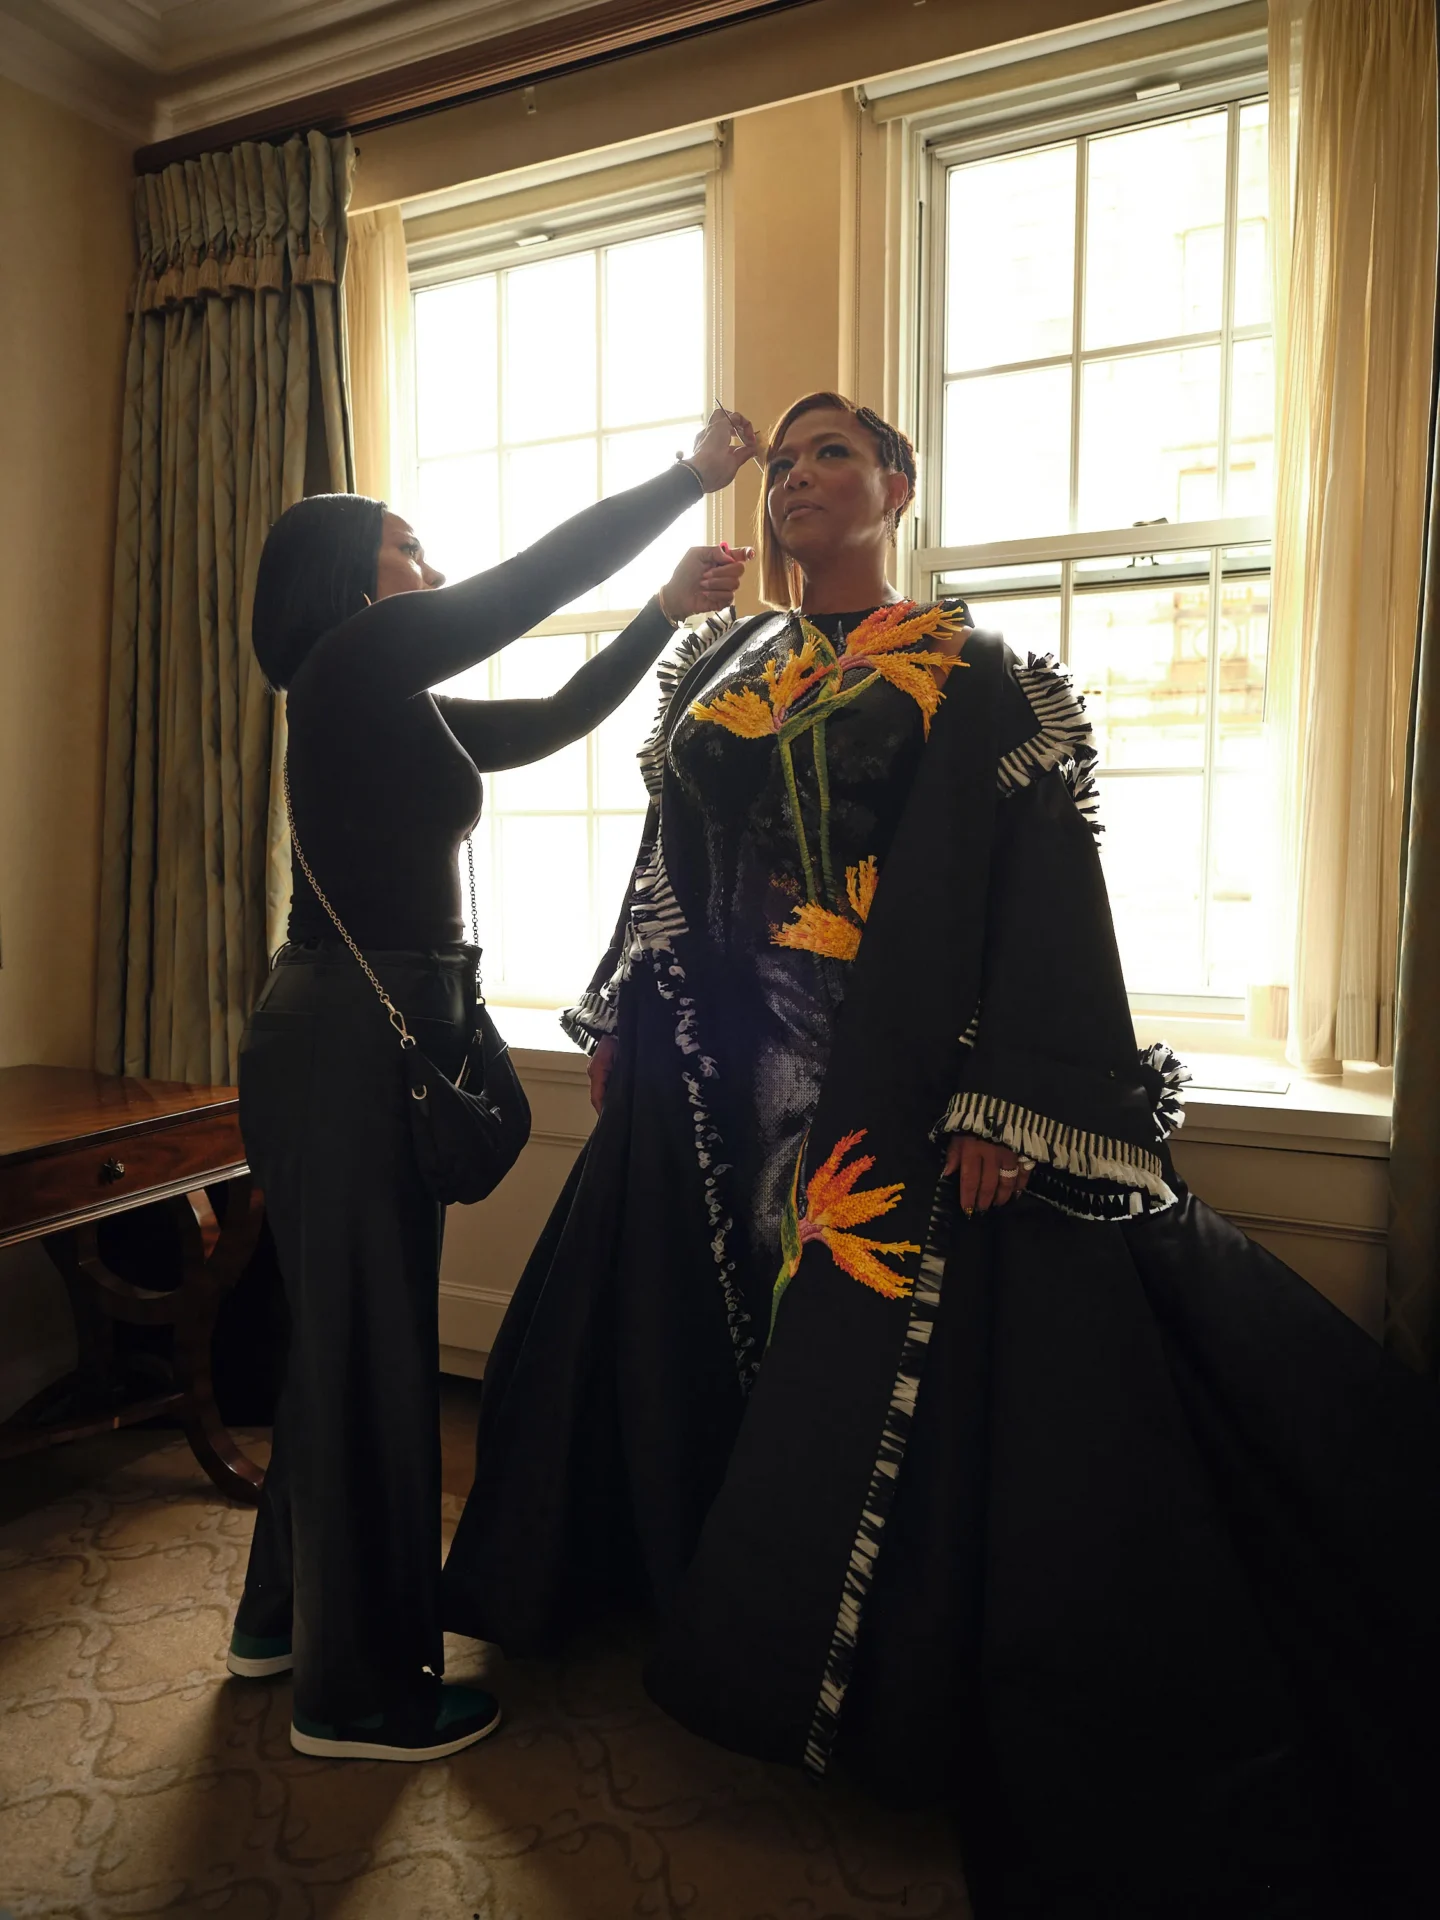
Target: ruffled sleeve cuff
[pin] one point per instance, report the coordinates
(1089, 1175)
(592, 1017)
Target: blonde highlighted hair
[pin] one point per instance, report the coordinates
(780, 580)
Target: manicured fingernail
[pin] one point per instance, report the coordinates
(968, 1212)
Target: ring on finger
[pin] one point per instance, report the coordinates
(1009, 1173)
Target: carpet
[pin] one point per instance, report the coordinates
(136, 1778)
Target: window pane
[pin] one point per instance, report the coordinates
(1006, 458)
(544, 905)
(619, 842)
(550, 348)
(1010, 267)
(531, 670)
(620, 738)
(1030, 624)
(1155, 232)
(1139, 657)
(1244, 642)
(1242, 832)
(1149, 438)
(455, 367)
(655, 329)
(629, 458)
(1250, 482)
(459, 514)
(1252, 264)
(545, 485)
(1151, 854)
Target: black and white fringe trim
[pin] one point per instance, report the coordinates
(972, 1032)
(1096, 1178)
(1065, 738)
(671, 670)
(592, 1017)
(709, 1149)
(879, 1496)
(656, 916)
(1175, 1076)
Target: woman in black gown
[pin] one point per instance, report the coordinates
(1041, 1489)
(343, 1581)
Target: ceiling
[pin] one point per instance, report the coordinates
(153, 69)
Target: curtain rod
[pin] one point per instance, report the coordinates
(516, 61)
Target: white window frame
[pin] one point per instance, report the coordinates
(934, 150)
(561, 231)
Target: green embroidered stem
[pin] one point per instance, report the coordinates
(787, 762)
(822, 790)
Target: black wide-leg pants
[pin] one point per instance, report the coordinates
(346, 1552)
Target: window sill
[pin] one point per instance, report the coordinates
(1249, 1097)
(1229, 1102)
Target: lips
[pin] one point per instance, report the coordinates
(802, 506)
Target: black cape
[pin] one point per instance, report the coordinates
(1108, 1526)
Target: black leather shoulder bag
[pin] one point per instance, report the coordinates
(466, 1141)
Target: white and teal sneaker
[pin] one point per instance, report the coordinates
(255, 1659)
(432, 1731)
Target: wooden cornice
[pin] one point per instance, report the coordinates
(528, 55)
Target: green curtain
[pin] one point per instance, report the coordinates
(234, 408)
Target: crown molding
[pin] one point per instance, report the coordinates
(565, 41)
(183, 75)
(93, 89)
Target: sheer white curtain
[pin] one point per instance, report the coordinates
(1353, 164)
(378, 335)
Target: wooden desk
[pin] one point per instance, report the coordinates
(77, 1147)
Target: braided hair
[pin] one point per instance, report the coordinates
(779, 577)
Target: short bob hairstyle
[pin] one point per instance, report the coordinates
(317, 569)
(780, 581)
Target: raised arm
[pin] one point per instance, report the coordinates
(411, 641)
(511, 733)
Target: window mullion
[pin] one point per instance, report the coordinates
(1067, 589)
(1227, 298)
(1212, 737)
(1077, 322)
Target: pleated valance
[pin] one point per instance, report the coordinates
(255, 216)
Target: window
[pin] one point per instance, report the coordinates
(1101, 393)
(541, 387)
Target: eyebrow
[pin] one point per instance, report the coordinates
(814, 439)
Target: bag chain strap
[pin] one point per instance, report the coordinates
(397, 1019)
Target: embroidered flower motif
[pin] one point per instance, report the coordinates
(814, 929)
(882, 642)
(740, 712)
(860, 885)
(832, 1209)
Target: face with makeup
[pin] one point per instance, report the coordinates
(829, 498)
(400, 565)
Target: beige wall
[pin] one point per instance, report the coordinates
(65, 240)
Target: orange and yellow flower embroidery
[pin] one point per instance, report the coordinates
(833, 1209)
(815, 929)
(882, 642)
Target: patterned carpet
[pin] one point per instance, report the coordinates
(136, 1779)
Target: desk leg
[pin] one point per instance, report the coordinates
(214, 1255)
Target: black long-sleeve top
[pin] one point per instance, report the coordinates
(385, 775)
